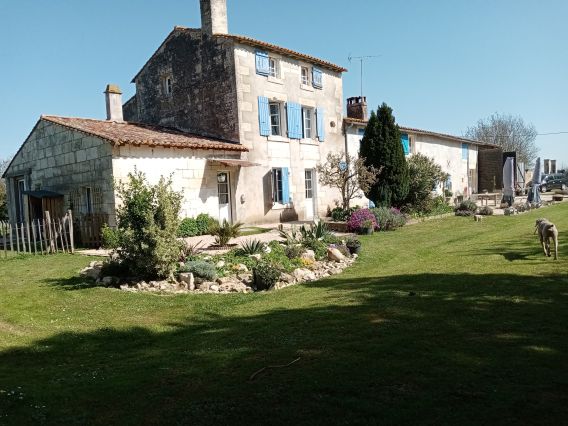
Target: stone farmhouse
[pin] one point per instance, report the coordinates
(239, 124)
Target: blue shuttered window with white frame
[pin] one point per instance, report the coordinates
(285, 186)
(294, 115)
(280, 185)
(405, 143)
(264, 116)
(262, 63)
(320, 117)
(317, 78)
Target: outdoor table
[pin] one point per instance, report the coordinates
(488, 196)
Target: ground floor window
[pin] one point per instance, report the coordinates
(309, 183)
(280, 186)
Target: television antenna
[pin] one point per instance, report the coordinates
(362, 59)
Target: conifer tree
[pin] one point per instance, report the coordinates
(382, 148)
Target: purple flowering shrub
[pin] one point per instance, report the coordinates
(358, 219)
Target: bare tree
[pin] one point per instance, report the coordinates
(348, 174)
(509, 132)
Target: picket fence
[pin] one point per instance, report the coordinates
(39, 236)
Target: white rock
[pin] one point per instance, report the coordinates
(241, 267)
(220, 264)
(335, 255)
(187, 279)
(309, 255)
(214, 287)
(255, 256)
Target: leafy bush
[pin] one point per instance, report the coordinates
(439, 206)
(294, 251)
(265, 275)
(110, 237)
(353, 242)
(318, 247)
(390, 219)
(425, 174)
(188, 228)
(339, 214)
(466, 208)
(201, 269)
(486, 211)
(331, 239)
(278, 257)
(147, 226)
(205, 223)
(251, 247)
(223, 233)
(355, 222)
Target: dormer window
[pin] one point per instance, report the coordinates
(273, 67)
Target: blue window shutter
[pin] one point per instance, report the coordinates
(262, 63)
(449, 183)
(285, 186)
(263, 116)
(320, 113)
(464, 151)
(405, 143)
(294, 113)
(317, 78)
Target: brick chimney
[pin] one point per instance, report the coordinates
(214, 17)
(357, 107)
(113, 97)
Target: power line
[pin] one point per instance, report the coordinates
(552, 133)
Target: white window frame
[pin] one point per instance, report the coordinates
(273, 67)
(308, 123)
(277, 187)
(305, 79)
(274, 126)
(309, 188)
(167, 85)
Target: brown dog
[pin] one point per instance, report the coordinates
(546, 231)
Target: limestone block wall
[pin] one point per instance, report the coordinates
(58, 159)
(281, 151)
(190, 171)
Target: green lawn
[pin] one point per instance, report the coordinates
(444, 322)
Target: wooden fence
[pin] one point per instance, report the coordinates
(39, 236)
(88, 229)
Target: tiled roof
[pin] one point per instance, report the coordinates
(253, 42)
(129, 133)
(284, 51)
(423, 132)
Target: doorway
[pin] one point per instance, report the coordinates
(310, 194)
(224, 191)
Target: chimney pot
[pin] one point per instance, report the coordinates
(113, 98)
(357, 107)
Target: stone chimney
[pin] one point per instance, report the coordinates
(357, 108)
(214, 17)
(113, 97)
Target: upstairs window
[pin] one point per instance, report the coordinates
(305, 76)
(275, 119)
(167, 85)
(464, 151)
(405, 143)
(273, 68)
(308, 119)
(262, 63)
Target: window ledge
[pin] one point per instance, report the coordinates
(309, 142)
(275, 80)
(278, 139)
(306, 87)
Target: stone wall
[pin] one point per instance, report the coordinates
(65, 161)
(203, 97)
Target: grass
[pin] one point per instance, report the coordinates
(253, 230)
(444, 322)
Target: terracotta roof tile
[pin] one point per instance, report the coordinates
(129, 133)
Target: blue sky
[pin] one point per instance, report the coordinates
(443, 64)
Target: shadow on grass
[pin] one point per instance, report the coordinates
(428, 349)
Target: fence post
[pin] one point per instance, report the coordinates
(17, 238)
(70, 219)
(34, 235)
(47, 226)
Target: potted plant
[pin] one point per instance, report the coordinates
(367, 227)
(353, 245)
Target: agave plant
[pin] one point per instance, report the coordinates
(251, 247)
(223, 233)
(189, 251)
(316, 232)
(292, 237)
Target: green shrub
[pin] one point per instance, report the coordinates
(205, 223)
(201, 269)
(278, 257)
(466, 208)
(486, 211)
(294, 251)
(114, 268)
(188, 228)
(223, 233)
(339, 214)
(343, 250)
(331, 239)
(319, 248)
(148, 220)
(190, 251)
(265, 275)
(251, 247)
(389, 218)
(110, 237)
